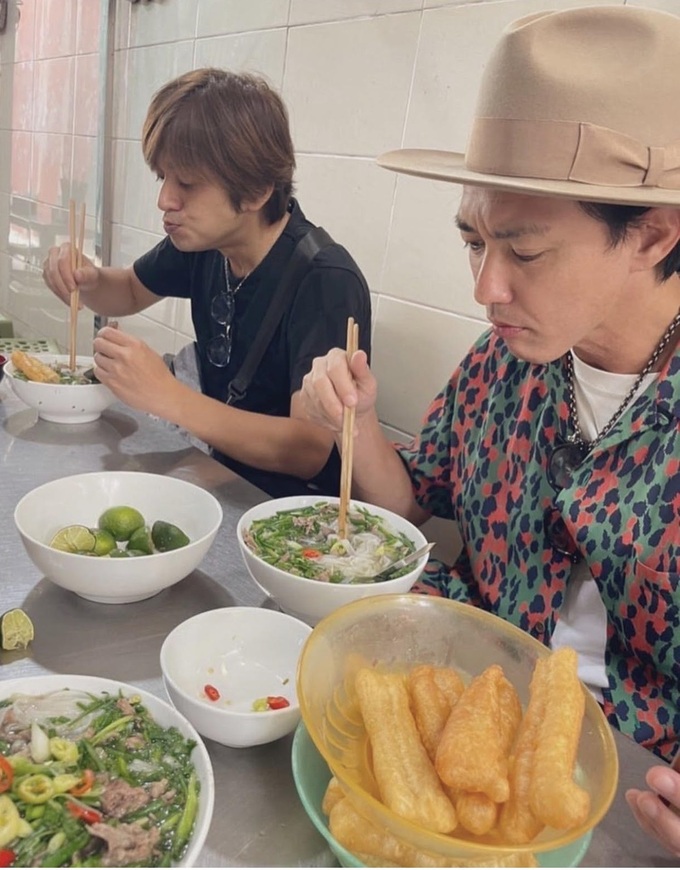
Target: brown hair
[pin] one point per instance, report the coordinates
(224, 126)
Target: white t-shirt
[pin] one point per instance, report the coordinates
(582, 622)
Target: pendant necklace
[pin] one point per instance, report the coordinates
(576, 441)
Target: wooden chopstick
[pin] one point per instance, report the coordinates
(76, 263)
(348, 415)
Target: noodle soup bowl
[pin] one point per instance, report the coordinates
(162, 713)
(62, 403)
(311, 599)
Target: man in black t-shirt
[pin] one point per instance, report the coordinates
(220, 144)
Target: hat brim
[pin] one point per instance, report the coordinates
(450, 166)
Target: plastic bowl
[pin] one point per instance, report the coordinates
(162, 712)
(311, 600)
(311, 775)
(245, 654)
(62, 403)
(82, 498)
(398, 632)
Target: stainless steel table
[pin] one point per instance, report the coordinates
(258, 818)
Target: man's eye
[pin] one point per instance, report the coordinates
(526, 258)
(475, 247)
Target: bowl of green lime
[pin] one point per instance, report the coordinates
(145, 531)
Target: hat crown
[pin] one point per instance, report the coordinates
(593, 64)
(580, 103)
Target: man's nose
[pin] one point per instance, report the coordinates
(492, 281)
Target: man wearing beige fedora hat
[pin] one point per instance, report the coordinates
(556, 443)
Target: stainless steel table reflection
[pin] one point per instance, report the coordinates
(258, 819)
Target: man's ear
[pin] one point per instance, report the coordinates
(257, 202)
(657, 233)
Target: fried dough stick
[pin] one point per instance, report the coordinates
(555, 798)
(405, 775)
(33, 368)
(477, 813)
(433, 692)
(471, 756)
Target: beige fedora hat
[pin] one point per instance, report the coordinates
(582, 103)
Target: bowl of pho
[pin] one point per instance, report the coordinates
(100, 773)
(59, 394)
(292, 550)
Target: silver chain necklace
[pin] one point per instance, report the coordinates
(576, 437)
(233, 292)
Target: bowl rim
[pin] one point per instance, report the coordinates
(236, 610)
(505, 628)
(35, 491)
(247, 517)
(49, 357)
(72, 681)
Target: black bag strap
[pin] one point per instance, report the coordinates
(305, 250)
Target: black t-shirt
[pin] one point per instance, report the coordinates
(332, 290)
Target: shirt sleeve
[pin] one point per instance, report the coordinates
(318, 317)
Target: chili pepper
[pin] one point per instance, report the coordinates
(85, 784)
(85, 814)
(7, 857)
(6, 774)
(211, 692)
(36, 789)
(311, 554)
(277, 702)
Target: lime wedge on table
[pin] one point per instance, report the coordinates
(140, 540)
(16, 629)
(74, 539)
(166, 536)
(121, 521)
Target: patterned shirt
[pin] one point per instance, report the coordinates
(481, 459)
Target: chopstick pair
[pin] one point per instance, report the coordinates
(348, 416)
(76, 263)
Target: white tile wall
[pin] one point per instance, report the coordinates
(359, 77)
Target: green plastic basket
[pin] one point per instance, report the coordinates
(28, 345)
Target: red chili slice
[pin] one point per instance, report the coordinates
(6, 774)
(311, 554)
(211, 692)
(85, 784)
(277, 702)
(85, 814)
(7, 857)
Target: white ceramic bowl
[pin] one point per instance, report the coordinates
(82, 498)
(245, 653)
(311, 600)
(163, 714)
(62, 403)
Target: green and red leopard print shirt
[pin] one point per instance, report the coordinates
(481, 459)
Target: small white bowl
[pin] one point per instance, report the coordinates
(163, 714)
(311, 600)
(82, 498)
(62, 403)
(246, 654)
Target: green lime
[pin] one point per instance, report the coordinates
(119, 554)
(166, 537)
(16, 629)
(140, 540)
(121, 521)
(74, 539)
(104, 542)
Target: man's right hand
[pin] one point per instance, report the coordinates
(333, 384)
(62, 279)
